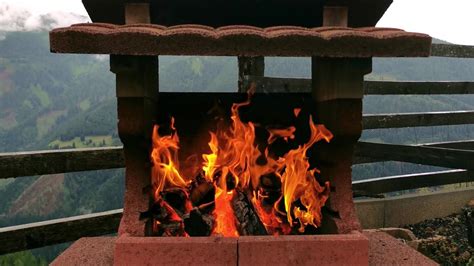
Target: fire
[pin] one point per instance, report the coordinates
(284, 192)
(165, 171)
(297, 111)
(299, 182)
(210, 159)
(223, 212)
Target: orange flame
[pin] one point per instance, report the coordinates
(299, 183)
(285, 133)
(210, 159)
(233, 148)
(223, 212)
(297, 111)
(165, 170)
(234, 154)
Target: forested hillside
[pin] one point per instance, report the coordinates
(50, 101)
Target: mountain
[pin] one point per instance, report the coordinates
(40, 92)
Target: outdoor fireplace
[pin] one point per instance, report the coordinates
(252, 176)
(264, 179)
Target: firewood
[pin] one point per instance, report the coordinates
(198, 224)
(178, 199)
(202, 193)
(270, 188)
(171, 229)
(164, 220)
(248, 221)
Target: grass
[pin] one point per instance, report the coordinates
(5, 86)
(42, 95)
(85, 105)
(88, 142)
(45, 122)
(5, 182)
(8, 122)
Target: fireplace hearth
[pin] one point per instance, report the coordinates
(224, 178)
(250, 174)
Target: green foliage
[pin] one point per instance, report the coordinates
(85, 105)
(82, 142)
(42, 96)
(46, 91)
(47, 121)
(10, 193)
(4, 183)
(24, 258)
(196, 66)
(208, 74)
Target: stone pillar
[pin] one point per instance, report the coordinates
(335, 16)
(137, 13)
(338, 90)
(137, 95)
(250, 66)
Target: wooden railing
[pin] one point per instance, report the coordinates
(457, 155)
(452, 50)
(59, 161)
(36, 235)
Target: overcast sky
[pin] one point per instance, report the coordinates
(450, 20)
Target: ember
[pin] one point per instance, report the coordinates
(241, 189)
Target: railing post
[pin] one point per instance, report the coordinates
(250, 66)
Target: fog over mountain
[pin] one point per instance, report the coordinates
(14, 18)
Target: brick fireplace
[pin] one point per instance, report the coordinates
(339, 37)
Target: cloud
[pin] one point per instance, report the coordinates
(447, 20)
(14, 18)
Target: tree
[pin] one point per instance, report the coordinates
(21, 258)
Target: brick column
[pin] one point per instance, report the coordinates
(137, 95)
(338, 90)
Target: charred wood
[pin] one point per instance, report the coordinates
(198, 224)
(270, 188)
(170, 229)
(202, 193)
(163, 220)
(201, 190)
(178, 199)
(248, 221)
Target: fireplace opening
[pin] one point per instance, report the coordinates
(237, 165)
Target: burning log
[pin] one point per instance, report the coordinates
(286, 196)
(202, 193)
(163, 220)
(178, 200)
(248, 221)
(170, 229)
(270, 188)
(197, 223)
